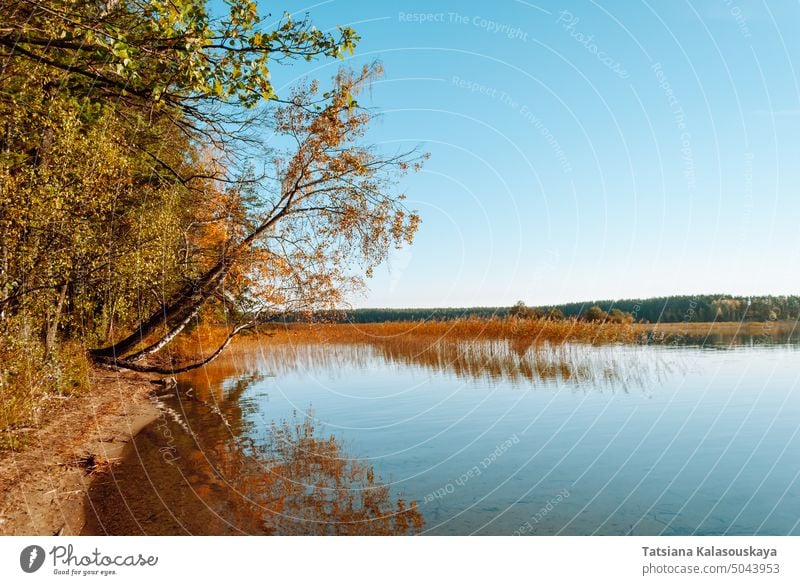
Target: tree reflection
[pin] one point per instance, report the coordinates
(297, 481)
(302, 483)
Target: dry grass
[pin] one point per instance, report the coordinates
(30, 382)
(509, 349)
(535, 331)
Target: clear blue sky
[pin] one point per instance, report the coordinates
(585, 150)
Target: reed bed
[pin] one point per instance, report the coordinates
(513, 350)
(519, 333)
(493, 361)
(536, 331)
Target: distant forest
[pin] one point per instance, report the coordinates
(698, 308)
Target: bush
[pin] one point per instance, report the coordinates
(619, 316)
(595, 314)
(30, 379)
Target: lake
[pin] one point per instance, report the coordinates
(492, 438)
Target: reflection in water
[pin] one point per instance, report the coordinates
(305, 484)
(203, 473)
(516, 362)
(708, 445)
(766, 337)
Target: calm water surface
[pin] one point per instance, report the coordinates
(486, 438)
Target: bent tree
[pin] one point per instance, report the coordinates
(328, 207)
(150, 174)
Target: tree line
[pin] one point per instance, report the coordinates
(674, 309)
(696, 308)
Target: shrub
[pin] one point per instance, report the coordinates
(30, 379)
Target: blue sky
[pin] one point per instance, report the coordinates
(584, 150)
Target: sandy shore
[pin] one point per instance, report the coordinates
(43, 487)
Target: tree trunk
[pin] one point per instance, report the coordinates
(52, 326)
(188, 302)
(122, 363)
(161, 343)
(190, 299)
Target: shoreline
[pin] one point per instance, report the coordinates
(44, 488)
(45, 485)
(719, 327)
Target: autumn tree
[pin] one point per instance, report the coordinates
(616, 315)
(329, 207)
(520, 310)
(149, 171)
(595, 314)
(554, 314)
(138, 75)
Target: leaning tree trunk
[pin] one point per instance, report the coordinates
(121, 363)
(187, 304)
(164, 341)
(176, 315)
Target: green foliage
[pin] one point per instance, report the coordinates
(90, 217)
(168, 54)
(698, 308)
(553, 314)
(616, 315)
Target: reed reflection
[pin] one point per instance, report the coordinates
(515, 362)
